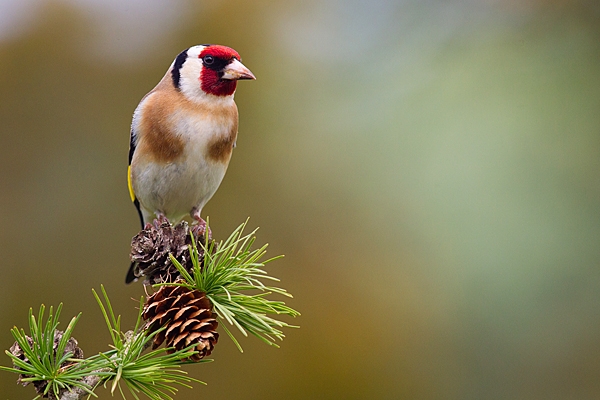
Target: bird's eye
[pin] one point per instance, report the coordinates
(208, 60)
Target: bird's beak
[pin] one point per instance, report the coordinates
(235, 70)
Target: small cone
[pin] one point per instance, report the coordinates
(71, 347)
(187, 317)
(151, 247)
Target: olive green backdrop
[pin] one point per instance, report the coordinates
(431, 170)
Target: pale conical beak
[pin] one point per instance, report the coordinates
(235, 70)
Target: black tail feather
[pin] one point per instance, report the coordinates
(130, 274)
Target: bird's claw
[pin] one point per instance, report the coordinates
(202, 229)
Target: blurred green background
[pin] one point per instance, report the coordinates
(430, 169)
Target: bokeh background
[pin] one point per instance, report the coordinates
(430, 169)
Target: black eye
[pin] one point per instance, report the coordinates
(208, 60)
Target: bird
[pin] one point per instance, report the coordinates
(182, 135)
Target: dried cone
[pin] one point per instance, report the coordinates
(71, 347)
(151, 247)
(187, 317)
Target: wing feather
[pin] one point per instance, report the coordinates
(136, 202)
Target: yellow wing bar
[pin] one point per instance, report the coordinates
(131, 192)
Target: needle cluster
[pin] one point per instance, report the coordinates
(48, 358)
(231, 275)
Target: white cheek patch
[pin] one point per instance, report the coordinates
(190, 78)
(190, 74)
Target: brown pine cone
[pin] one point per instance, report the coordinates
(151, 247)
(187, 316)
(71, 347)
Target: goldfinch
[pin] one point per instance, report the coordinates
(183, 133)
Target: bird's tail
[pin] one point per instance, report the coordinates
(130, 274)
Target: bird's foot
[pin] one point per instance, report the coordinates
(201, 228)
(161, 217)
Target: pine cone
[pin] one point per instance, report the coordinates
(71, 347)
(151, 247)
(187, 316)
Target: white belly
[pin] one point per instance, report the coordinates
(176, 189)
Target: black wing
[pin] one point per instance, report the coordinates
(131, 274)
(134, 199)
